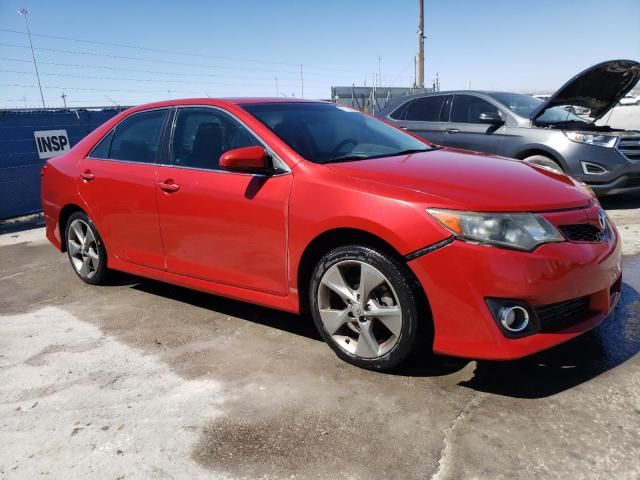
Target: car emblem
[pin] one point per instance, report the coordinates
(602, 219)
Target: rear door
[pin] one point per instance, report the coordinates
(424, 117)
(117, 182)
(221, 226)
(465, 130)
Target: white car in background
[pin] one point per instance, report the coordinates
(630, 100)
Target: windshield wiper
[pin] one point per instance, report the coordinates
(361, 156)
(346, 158)
(410, 151)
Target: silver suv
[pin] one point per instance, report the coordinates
(545, 133)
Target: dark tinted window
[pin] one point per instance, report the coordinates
(202, 135)
(101, 150)
(137, 138)
(324, 132)
(426, 109)
(467, 109)
(399, 113)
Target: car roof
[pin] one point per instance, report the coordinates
(223, 101)
(396, 102)
(219, 102)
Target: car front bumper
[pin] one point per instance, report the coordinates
(459, 277)
(625, 183)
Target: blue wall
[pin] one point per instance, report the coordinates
(19, 161)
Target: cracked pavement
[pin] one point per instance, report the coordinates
(140, 379)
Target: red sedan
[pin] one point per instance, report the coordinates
(390, 243)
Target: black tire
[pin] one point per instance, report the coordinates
(407, 297)
(99, 270)
(544, 161)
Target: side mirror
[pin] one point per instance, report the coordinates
(246, 159)
(492, 118)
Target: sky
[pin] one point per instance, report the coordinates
(191, 48)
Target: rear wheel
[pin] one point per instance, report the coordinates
(544, 161)
(364, 304)
(85, 248)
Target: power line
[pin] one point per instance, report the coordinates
(153, 72)
(170, 62)
(14, 85)
(158, 50)
(130, 79)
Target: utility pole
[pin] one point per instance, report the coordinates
(301, 83)
(64, 99)
(277, 89)
(420, 60)
(24, 12)
(379, 72)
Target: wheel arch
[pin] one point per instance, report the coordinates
(337, 237)
(63, 218)
(536, 150)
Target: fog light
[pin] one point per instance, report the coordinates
(515, 319)
(593, 168)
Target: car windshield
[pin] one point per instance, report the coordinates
(524, 105)
(324, 132)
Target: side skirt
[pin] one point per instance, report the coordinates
(287, 303)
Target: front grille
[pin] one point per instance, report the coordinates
(583, 232)
(630, 147)
(561, 315)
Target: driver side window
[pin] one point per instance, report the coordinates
(202, 135)
(467, 109)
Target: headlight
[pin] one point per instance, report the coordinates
(523, 231)
(608, 141)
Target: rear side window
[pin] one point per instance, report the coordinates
(137, 138)
(101, 150)
(467, 109)
(425, 109)
(398, 113)
(202, 135)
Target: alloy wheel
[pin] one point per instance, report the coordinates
(359, 309)
(83, 249)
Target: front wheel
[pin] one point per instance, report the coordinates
(365, 306)
(85, 248)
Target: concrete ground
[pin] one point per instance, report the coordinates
(143, 380)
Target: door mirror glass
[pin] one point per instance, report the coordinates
(246, 159)
(493, 118)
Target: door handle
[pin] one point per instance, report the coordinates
(169, 186)
(452, 130)
(87, 175)
(404, 128)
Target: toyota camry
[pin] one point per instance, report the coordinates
(391, 244)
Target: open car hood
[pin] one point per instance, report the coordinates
(598, 88)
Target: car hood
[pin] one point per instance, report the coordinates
(472, 181)
(598, 88)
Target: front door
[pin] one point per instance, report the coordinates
(117, 181)
(229, 228)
